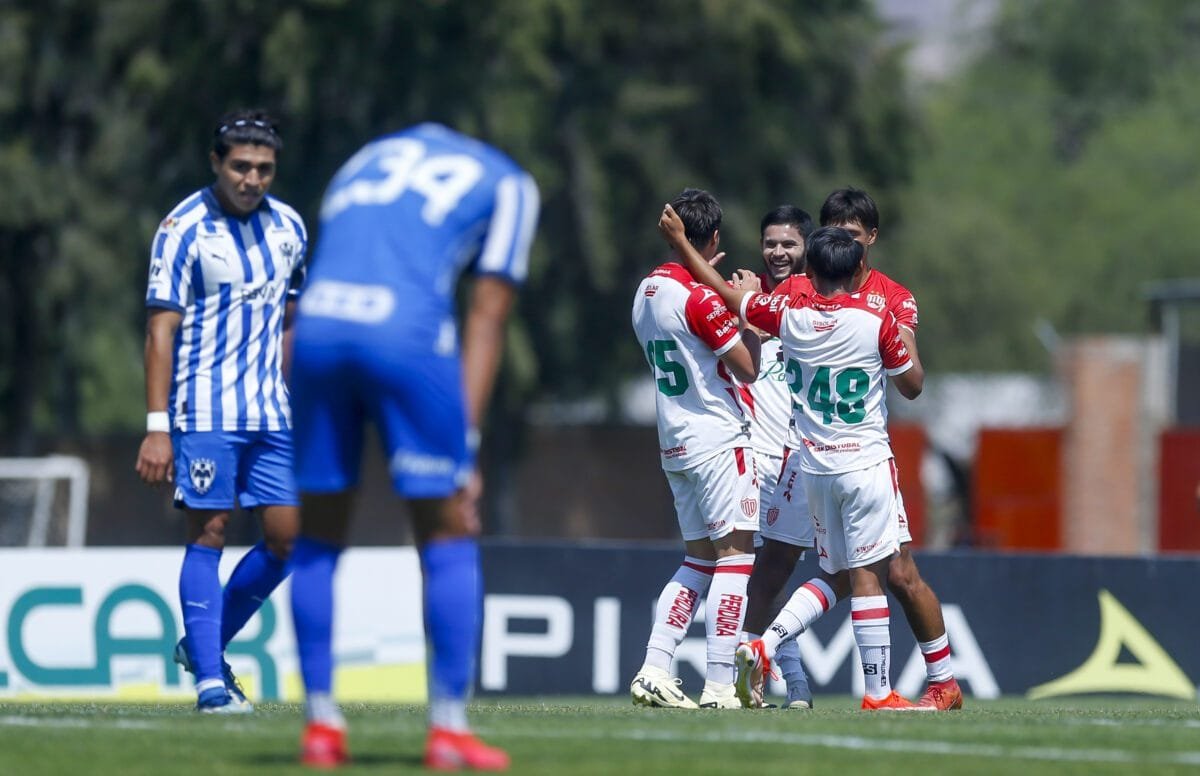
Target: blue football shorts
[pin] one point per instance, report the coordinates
(224, 469)
(415, 401)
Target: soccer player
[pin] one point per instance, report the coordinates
(694, 348)
(838, 346)
(855, 211)
(784, 532)
(376, 340)
(224, 268)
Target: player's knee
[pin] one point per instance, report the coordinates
(903, 579)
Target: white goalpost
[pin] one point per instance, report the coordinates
(30, 495)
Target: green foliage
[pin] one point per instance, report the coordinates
(1057, 178)
(106, 109)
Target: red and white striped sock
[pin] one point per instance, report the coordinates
(869, 615)
(807, 604)
(724, 615)
(675, 609)
(937, 658)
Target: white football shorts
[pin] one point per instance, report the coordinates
(854, 516)
(784, 517)
(717, 496)
(901, 515)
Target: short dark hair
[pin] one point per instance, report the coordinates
(848, 205)
(701, 215)
(787, 215)
(833, 253)
(245, 127)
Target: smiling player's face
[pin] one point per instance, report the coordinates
(243, 177)
(782, 251)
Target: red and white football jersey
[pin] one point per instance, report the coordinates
(837, 353)
(771, 406)
(898, 300)
(684, 328)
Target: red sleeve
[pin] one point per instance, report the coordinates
(903, 305)
(895, 355)
(710, 319)
(764, 311)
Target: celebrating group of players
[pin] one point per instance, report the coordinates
(772, 425)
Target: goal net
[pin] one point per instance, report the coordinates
(43, 501)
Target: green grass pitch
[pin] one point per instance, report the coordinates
(611, 736)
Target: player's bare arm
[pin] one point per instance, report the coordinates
(672, 229)
(156, 458)
(911, 381)
(742, 359)
(483, 342)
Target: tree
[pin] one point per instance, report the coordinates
(106, 109)
(1056, 179)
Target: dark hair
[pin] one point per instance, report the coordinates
(833, 253)
(787, 215)
(701, 215)
(242, 127)
(848, 205)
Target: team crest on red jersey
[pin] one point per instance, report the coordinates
(876, 301)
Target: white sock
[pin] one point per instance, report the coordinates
(724, 614)
(675, 609)
(810, 601)
(448, 714)
(869, 614)
(320, 707)
(937, 658)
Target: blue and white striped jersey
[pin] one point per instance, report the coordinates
(400, 222)
(230, 278)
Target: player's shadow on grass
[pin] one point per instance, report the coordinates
(365, 759)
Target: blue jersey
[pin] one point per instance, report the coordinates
(230, 278)
(400, 222)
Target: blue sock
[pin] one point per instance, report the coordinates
(453, 607)
(257, 574)
(313, 564)
(200, 597)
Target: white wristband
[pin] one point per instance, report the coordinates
(158, 421)
(473, 440)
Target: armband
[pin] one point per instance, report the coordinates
(158, 421)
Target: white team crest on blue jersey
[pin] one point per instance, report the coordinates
(203, 470)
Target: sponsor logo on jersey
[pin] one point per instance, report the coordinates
(674, 452)
(824, 326)
(202, 471)
(168, 223)
(650, 291)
